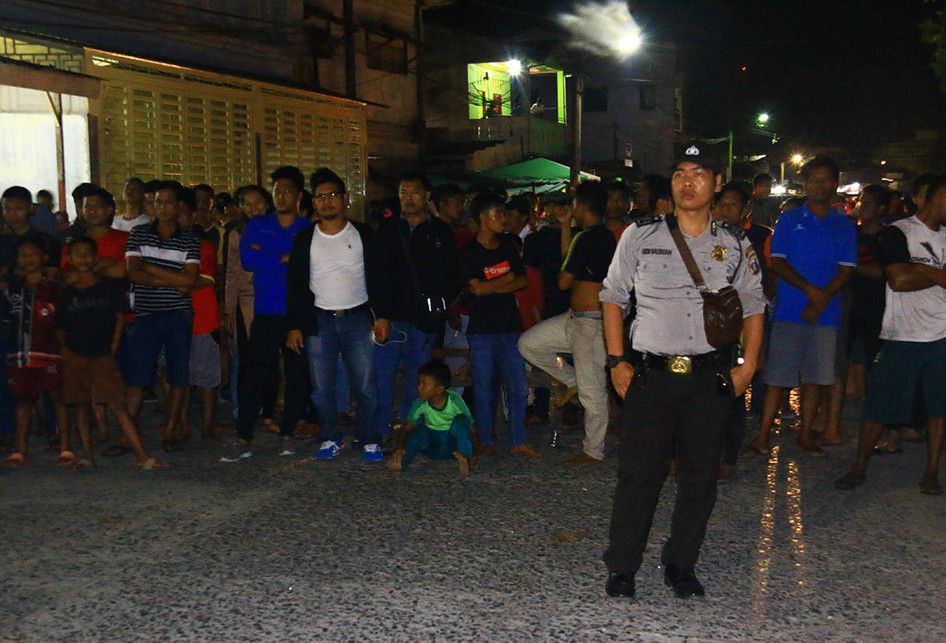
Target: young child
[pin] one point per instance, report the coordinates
(91, 319)
(34, 362)
(439, 423)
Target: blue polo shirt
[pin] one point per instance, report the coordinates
(262, 246)
(815, 248)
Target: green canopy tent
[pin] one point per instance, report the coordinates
(539, 174)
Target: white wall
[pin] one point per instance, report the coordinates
(28, 142)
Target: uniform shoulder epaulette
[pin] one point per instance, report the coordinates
(641, 222)
(735, 230)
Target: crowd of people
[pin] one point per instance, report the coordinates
(416, 326)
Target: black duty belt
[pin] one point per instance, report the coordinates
(346, 311)
(686, 364)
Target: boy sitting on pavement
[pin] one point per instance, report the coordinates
(439, 424)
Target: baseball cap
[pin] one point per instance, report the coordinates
(699, 153)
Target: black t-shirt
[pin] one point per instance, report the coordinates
(868, 294)
(87, 316)
(589, 256)
(498, 313)
(543, 251)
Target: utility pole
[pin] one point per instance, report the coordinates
(348, 21)
(729, 176)
(419, 62)
(576, 129)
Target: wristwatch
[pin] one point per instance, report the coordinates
(613, 360)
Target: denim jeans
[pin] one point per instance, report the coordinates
(500, 351)
(411, 347)
(347, 335)
(148, 335)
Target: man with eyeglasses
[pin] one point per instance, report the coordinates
(338, 303)
(420, 258)
(264, 251)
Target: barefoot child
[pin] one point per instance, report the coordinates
(439, 423)
(91, 318)
(34, 363)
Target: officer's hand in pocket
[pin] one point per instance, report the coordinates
(741, 378)
(621, 377)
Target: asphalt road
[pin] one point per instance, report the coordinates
(286, 548)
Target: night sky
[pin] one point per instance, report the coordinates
(849, 73)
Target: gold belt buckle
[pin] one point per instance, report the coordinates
(680, 365)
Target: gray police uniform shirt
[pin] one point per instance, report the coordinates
(669, 317)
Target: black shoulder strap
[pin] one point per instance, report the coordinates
(685, 253)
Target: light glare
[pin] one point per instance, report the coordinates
(603, 28)
(514, 66)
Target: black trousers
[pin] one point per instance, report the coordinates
(267, 340)
(686, 413)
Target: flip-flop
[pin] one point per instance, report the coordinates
(16, 460)
(849, 481)
(82, 463)
(930, 488)
(151, 464)
(752, 450)
(883, 451)
(268, 426)
(66, 458)
(814, 450)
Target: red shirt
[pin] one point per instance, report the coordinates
(531, 298)
(204, 300)
(111, 245)
(462, 236)
(620, 231)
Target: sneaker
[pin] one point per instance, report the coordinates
(285, 446)
(328, 450)
(372, 453)
(239, 451)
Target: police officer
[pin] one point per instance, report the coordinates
(677, 389)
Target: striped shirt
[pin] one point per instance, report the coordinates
(173, 253)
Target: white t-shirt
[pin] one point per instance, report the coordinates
(919, 315)
(337, 269)
(125, 225)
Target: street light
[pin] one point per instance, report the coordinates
(762, 118)
(629, 42)
(797, 159)
(514, 67)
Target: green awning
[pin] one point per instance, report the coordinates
(539, 172)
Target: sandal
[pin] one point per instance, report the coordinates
(883, 450)
(16, 460)
(66, 458)
(151, 464)
(269, 426)
(83, 463)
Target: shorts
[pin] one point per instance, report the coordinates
(892, 383)
(90, 379)
(801, 354)
(147, 337)
(205, 361)
(28, 382)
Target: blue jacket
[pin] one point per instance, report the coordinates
(262, 247)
